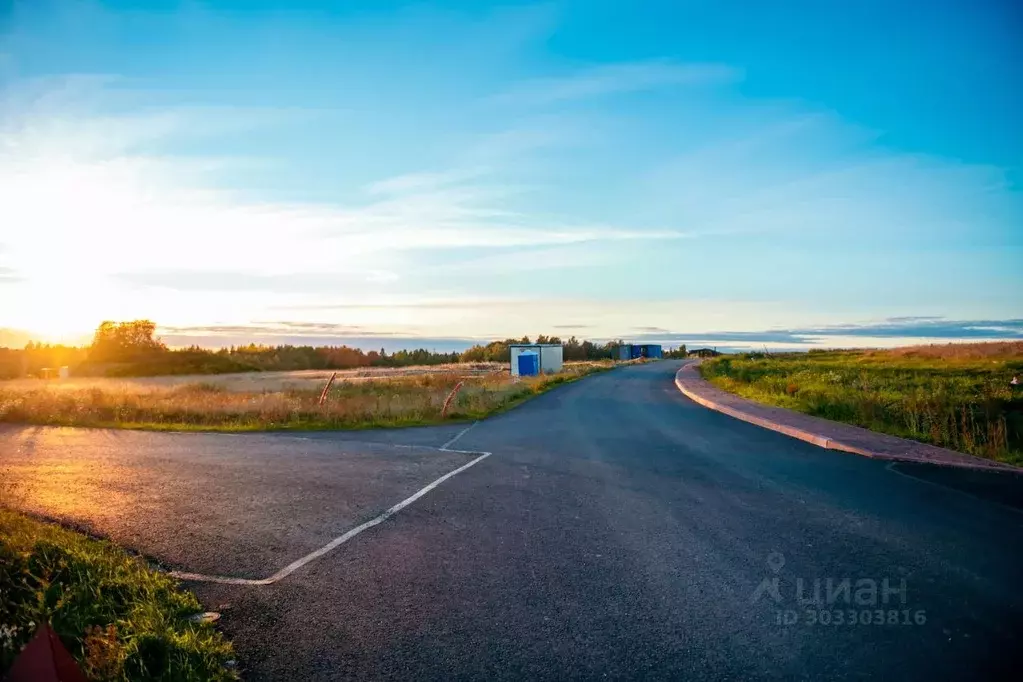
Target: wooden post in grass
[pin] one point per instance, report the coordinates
(330, 382)
(451, 396)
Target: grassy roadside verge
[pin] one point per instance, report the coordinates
(954, 397)
(120, 619)
(406, 401)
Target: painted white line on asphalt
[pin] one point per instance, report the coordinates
(336, 542)
(459, 435)
(220, 579)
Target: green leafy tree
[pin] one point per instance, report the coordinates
(125, 341)
(679, 352)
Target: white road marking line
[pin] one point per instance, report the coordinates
(457, 436)
(336, 542)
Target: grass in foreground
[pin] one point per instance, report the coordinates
(406, 401)
(120, 619)
(956, 396)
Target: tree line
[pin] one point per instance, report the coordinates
(132, 349)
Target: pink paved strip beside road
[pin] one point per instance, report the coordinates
(823, 432)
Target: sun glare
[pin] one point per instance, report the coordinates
(55, 310)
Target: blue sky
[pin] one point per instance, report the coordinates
(241, 170)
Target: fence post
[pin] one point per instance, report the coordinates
(451, 396)
(330, 381)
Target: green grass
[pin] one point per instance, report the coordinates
(119, 618)
(406, 401)
(955, 397)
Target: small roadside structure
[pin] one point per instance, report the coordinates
(528, 363)
(633, 351)
(549, 358)
(704, 353)
(54, 372)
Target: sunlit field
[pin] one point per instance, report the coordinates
(956, 396)
(252, 381)
(290, 400)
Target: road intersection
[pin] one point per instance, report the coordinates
(617, 530)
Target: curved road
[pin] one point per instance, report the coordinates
(618, 531)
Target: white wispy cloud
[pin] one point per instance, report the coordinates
(796, 173)
(500, 317)
(93, 198)
(423, 181)
(609, 79)
(101, 221)
(94, 165)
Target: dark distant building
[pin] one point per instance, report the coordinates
(704, 353)
(633, 351)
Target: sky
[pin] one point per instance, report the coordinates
(754, 174)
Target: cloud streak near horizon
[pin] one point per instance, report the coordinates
(902, 329)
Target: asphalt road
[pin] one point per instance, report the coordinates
(618, 531)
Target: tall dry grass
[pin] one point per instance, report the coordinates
(351, 403)
(992, 350)
(250, 381)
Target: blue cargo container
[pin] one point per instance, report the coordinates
(634, 351)
(652, 350)
(529, 364)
